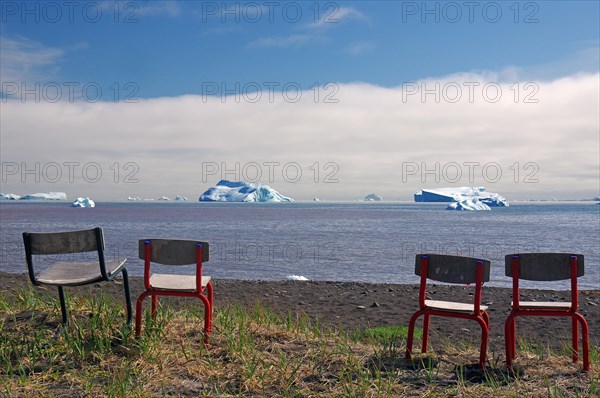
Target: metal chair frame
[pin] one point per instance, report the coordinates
(149, 256)
(478, 314)
(51, 243)
(514, 268)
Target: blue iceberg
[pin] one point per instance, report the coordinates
(242, 191)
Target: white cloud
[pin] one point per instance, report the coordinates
(169, 8)
(24, 59)
(369, 133)
(360, 48)
(288, 41)
(329, 17)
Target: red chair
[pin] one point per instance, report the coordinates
(451, 269)
(175, 252)
(545, 267)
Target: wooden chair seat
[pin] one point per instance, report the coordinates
(538, 305)
(74, 274)
(176, 282)
(453, 306)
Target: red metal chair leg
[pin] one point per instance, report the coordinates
(411, 330)
(585, 341)
(138, 313)
(575, 338)
(207, 318)
(154, 305)
(509, 336)
(484, 341)
(486, 318)
(425, 341)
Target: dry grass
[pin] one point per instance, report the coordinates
(254, 353)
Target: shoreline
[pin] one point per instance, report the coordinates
(352, 306)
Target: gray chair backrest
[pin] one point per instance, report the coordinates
(65, 242)
(452, 269)
(173, 251)
(544, 266)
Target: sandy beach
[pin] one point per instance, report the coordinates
(352, 306)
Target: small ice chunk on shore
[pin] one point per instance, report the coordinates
(296, 278)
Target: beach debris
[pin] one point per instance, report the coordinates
(296, 278)
(375, 305)
(360, 307)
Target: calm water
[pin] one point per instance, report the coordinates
(373, 242)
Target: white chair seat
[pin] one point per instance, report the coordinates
(66, 274)
(176, 282)
(452, 306)
(543, 304)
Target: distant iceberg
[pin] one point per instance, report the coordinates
(39, 196)
(164, 198)
(460, 194)
(372, 198)
(468, 204)
(241, 191)
(9, 196)
(178, 197)
(134, 198)
(83, 202)
(315, 199)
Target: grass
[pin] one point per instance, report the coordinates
(254, 352)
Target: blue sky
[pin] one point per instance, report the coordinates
(164, 55)
(172, 48)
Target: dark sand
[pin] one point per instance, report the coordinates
(339, 305)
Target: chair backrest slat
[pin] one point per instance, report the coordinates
(173, 251)
(452, 269)
(544, 266)
(64, 242)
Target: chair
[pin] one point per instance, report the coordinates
(457, 270)
(545, 267)
(63, 273)
(175, 252)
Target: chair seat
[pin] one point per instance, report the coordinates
(540, 305)
(74, 274)
(176, 282)
(452, 306)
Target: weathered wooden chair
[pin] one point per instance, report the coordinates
(62, 273)
(545, 267)
(175, 252)
(457, 270)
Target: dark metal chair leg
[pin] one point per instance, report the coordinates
(63, 306)
(127, 297)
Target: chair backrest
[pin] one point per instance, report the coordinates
(452, 269)
(173, 251)
(41, 243)
(544, 266)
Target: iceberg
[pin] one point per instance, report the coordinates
(315, 199)
(83, 202)
(372, 198)
(45, 196)
(460, 194)
(178, 197)
(468, 204)
(9, 196)
(164, 198)
(242, 191)
(133, 198)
